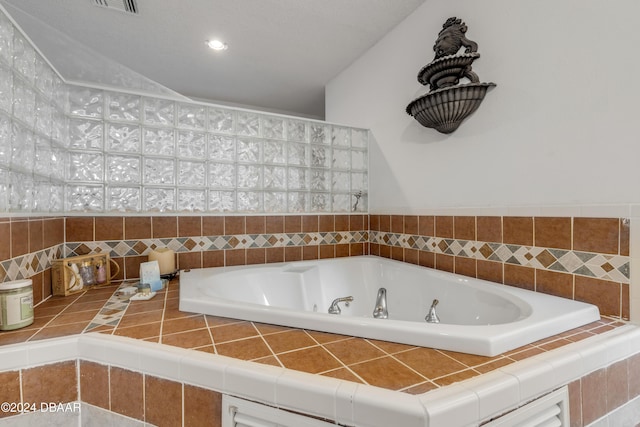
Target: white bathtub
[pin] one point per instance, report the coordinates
(476, 316)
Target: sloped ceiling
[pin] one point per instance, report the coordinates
(281, 52)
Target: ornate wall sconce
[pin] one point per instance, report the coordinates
(448, 103)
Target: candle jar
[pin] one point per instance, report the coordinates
(87, 273)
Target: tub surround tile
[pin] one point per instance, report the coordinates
(57, 383)
(444, 226)
(109, 228)
(596, 235)
(127, 392)
(94, 384)
(553, 232)
(164, 226)
(518, 230)
(162, 402)
(135, 228)
(9, 389)
(199, 404)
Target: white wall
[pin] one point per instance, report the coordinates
(560, 128)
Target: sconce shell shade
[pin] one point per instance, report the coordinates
(448, 102)
(445, 109)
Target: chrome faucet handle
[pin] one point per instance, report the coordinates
(335, 308)
(432, 317)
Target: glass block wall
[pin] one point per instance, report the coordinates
(70, 148)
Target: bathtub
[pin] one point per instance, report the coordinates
(476, 316)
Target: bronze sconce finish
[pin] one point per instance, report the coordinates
(448, 102)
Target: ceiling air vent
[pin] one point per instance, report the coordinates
(129, 6)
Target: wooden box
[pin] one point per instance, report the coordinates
(75, 274)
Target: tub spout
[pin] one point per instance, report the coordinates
(335, 308)
(380, 310)
(432, 317)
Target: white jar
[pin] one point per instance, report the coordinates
(16, 304)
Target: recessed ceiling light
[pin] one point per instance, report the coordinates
(217, 45)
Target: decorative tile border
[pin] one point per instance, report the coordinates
(25, 266)
(601, 266)
(123, 248)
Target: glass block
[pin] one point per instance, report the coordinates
(59, 127)
(84, 198)
(362, 205)
(6, 133)
(320, 180)
(122, 106)
(248, 150)
(58, 156)
(43, 116)
(341, 159)
(191, 200)
(59, 93)
(321, 156)
(298, 179)
(159, 142)
(85, 166)
(191, 174)
(85, 134)
(341, 136)
(123, 169)
(275, 177)
(359, 138)
(159, 112)
(159, 200)
(191, 116)
(24, 57)
(222, 148)
(273, 127)
(319, 133)
(340, 181)
(43, 155)
(124, 199)
(298, 202)
(222, 201)
(275, 152)
(44, 78)
(123, 138)
(248, 124)
(4, 188)
(249, 176)
(85, 102)
(249, 201)
(41, 196)
(21, 192)
(191, 145)
(222, 175)
(6, 40)
(341, 203)
(275, 201)
(298, 154)
(159, 171)
(359, 160)
(22, 148)
(221, 120)
(297, 131)
(24, 102)
(6, 89)
(56, 198)
(359, 181)
(320, 202)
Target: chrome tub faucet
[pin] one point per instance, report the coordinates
(335, 308)
(380, 310)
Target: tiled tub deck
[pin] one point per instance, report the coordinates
(393, 366)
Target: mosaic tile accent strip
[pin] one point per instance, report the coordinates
(601, 266)
(25, 266)
(124, 248)
(112, 311)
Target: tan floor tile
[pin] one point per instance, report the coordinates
(219, 321)
(140, 318)
(84, 306)
(421, 388)
(391, 347)
(492, 366)
(190, 339)
(429, 362)
(146, 330)
(143, 306)
(457, 377)
(269, 360)
(14, 337)
(290, 340)
(555, 344)
(75, 317)
(183, 324)
(245, 349)
(387, 373)
(233, 331)
(59, 331)
(312, 360)
(325, 337)
(343, 374)
(467, 359)
(265, 328)
(354, 350)
(526, 353)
